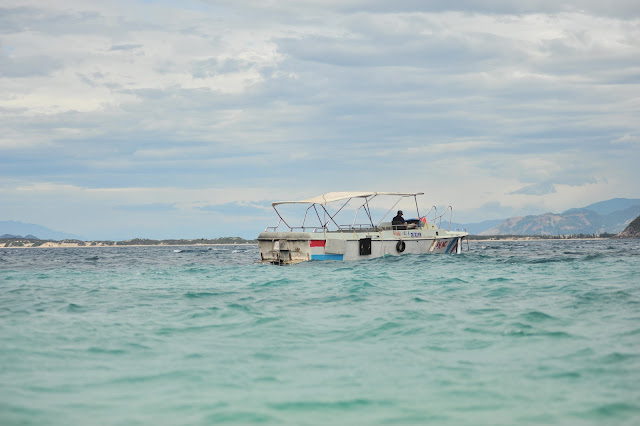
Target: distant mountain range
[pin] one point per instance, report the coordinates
(610, 216)
(631, 231)
(28, 236)
(13, 229)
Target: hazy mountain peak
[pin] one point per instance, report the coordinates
(609, 216)
(30, 230)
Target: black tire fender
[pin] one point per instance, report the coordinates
(400, 246)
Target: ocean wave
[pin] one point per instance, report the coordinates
(536, 316)
(339, 405)
(203, 294)
(616, 410)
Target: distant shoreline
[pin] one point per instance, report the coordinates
(72, 245)
(22, 243)
(136, 242)
(539, 239)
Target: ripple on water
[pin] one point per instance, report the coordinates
(536, 316)
(340, 405)
(73, 308)
(618, 410)
(204, 294)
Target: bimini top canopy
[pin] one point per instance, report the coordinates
(337, 196)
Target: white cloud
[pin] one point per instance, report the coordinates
(207, 103)
(627, 139)
(542, 188)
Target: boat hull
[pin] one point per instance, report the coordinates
(294, 247)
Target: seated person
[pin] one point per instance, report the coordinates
(398, 222)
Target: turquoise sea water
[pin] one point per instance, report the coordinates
(507, 333)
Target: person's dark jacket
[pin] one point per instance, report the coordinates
(398, 220)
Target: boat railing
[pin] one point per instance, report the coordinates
(435, 213)
(309, 228)
(341, 228)
(439, 218)
(357, 227)
(294, 228)
(273, 228)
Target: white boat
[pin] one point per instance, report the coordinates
(320, 236)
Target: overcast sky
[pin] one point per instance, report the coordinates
(160, 119)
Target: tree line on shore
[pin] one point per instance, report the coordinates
(16, 241)
(541, 237)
